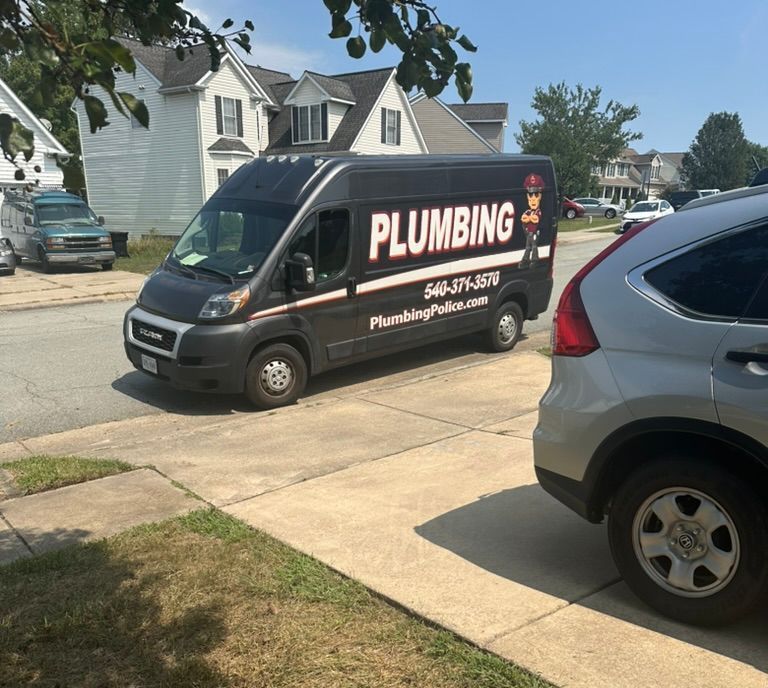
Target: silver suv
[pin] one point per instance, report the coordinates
(657, 412)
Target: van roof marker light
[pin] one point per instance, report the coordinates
(282, 158)
(294, 159)
(318, 162)
(270, 158)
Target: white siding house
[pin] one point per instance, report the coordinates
(204, 125)
(47, 147)
(155, 180)
(372, 139)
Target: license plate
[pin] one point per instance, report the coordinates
(86, 259)
(149, 364)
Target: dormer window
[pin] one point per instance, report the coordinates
(229, 117)
(310, 123)
(655, 170)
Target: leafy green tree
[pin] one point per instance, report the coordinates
(82, 54)
(576, 132)
(756, 153)
(717, 158)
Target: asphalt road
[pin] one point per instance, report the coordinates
(65, 368)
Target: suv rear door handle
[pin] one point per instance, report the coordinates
(747, 356)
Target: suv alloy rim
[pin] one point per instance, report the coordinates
(276, 377)
(686, 542)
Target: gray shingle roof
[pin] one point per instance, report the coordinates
(366, 87)
(225, 145)
(336, 88)
(267, 78)
(162, 62)
(479, 112)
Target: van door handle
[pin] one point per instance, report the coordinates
(351, 287)
(747, 356)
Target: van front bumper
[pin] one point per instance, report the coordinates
(84, 258)
(204, 358)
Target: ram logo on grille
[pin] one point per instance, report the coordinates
(151, 335)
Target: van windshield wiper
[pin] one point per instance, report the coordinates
(214, 271)
(178, 265)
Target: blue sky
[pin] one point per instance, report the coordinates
(677, 60)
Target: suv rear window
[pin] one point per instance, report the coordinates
(718, 279)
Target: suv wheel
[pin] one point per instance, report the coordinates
(276, 376)
(691, 540)
(507, 327)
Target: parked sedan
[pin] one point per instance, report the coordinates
(571, 209)
(7, 257)
(596, 207)
(643, 212)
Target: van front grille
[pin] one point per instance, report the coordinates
(82, 242)
(151, 335)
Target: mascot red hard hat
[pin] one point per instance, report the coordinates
(534, 183)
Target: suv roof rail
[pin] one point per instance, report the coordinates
(724, 197)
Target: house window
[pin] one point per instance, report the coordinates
(310, 123)
(655, 171)
(623, 169)
(222, 175)
(611, 170)
(229, 116)
(390, 126)
(598, 170)
(135, 124)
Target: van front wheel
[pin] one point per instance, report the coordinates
(506, 328)
(276, 376)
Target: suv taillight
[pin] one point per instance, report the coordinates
(572, 333)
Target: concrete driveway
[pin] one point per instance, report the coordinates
(420, 484)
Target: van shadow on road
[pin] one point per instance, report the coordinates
(524, 536)
(419, 361)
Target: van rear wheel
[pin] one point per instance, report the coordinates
(276, 376)
(506, 328)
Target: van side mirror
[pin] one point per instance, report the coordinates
(300, 272)
(28, 221)
(100, 219)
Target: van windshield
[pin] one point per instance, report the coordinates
(66, 213)
(232, 236)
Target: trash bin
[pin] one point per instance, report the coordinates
(120, 243)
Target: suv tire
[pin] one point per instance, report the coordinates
(506, 328)
(671, 520)
(276, 376)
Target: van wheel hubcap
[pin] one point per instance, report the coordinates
(276, 377)
(507, 328)
(686, 542)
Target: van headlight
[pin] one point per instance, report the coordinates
(105, 241)
(224, 304)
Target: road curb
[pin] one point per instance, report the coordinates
(69, 301)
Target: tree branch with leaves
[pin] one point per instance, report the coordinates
(85, 54)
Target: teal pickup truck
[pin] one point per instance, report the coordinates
(55, 228)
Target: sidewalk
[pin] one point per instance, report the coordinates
(88, 511)
(31, 288)
(423, 489)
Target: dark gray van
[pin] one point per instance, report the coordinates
(299, 264)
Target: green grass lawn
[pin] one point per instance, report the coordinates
(205, 601)
(40, 473)
(565, 225)
(145, 254)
